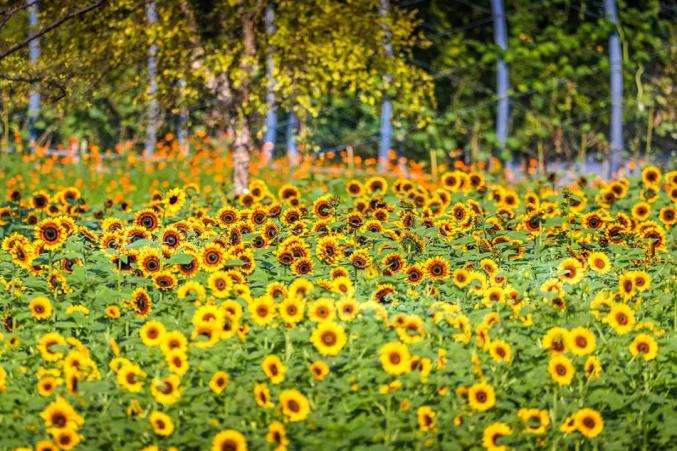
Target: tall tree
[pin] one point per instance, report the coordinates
(616, 89)
(386, 128)
(33, 57)
(502, 83)
(153, 104)
(271, 106)
(292, 130)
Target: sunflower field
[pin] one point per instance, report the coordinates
(333, 312)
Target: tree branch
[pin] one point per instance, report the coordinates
(7, 13)
(19, 45)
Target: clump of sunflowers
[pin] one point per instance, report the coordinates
(367, 312)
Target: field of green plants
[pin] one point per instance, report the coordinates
(337, 313)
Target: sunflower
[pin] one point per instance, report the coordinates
(560, 369)
(493, 295)
(40, 308)
(536, 421)
(570, 270)
(415, 274)
(481, 397)
(147, 219)
(47, 342)
(599, 262)
(500, 351)
(645, 346)
(295, 405)
(166, 391)
(59, 414)
(347, 308)
(162, 423)
(212, 258)
(274, 369)
(47, 385)
(262, 310)
(395, 358)
(426, 418)
(592, 367)
(277, 435)
(164, 280)
(621, 318)
(641, 211)
(141, 302)
(177, 361)
(149, 260)
(40, 200)
(581, 341)
(152, 333)
(651, 175)
(321, 310)
(50, 234)
(218, 382)
(329, 338)
(130, 376)
(588, 422)
(668, 216)
(319, 370)
(437, 268)
(66, 439)
(220, 284)
(302, 266)
(360, 259)
(262, 396)
(230, 440)
(493, 433)
(291, 310)
(641, 280)
(393, 263)
(45, 445)
(174, 201)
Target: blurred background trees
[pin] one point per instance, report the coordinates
(330, 65)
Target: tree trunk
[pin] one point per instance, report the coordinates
(616, 89)
(243, 140)
(181, 128)
(241, 157)
(153, 106)
(271, 107)
(502, 82)
(292, 150)
(386, 129)
(33, 56)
